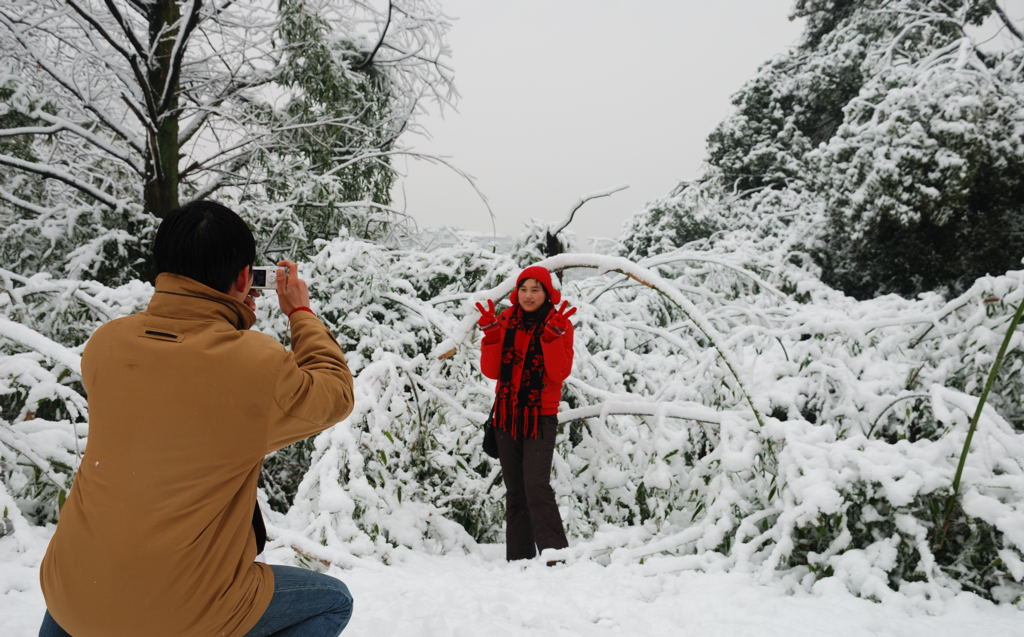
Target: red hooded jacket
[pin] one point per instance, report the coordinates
(557, 352)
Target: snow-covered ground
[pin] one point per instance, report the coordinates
(482, 595)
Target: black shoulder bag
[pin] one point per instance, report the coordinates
(490, 437)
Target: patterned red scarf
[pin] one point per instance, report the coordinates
(517, 410)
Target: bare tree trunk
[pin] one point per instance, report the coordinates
(161, 190)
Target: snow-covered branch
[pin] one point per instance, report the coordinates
(579, 204)
(697, 413)
(59, 124)
(34, 341)
(62, 175)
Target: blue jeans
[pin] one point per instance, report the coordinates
(305, 604)
(50, 628)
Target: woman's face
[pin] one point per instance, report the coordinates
(531, 295)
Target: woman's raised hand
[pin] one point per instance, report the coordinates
(558, 322)
(487, 318)
(562, 314)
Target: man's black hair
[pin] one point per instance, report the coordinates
(204, 241)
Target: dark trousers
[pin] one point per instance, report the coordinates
(532, 521)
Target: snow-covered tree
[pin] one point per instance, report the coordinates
(674, 221)
(905, 125)
(922, 181)
(119, 110)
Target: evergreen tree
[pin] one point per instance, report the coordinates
(907, 131)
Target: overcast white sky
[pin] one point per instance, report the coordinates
(564, 98)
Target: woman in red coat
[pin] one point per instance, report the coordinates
(528, 350)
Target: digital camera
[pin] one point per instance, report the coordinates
(264, 277)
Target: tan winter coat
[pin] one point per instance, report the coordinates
(156, 537)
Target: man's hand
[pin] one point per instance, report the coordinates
(558, 322)
(292, 291)
(250, 298)
(487, 318)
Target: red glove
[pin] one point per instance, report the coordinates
(558, 322)
(487, 319)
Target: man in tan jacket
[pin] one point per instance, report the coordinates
(156, 536)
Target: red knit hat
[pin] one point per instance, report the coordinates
(541, 275)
